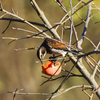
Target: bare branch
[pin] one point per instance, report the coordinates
(89, 53)
(73, 87)
(43, 18)
(97, 47)
(95, 70)
(7, 27)
(85, 26)
(63, 81)
(71, 31)
(61, 5)
(39, 30)
(18, 20)
(18, 93)
(96, 89)
(26, 49)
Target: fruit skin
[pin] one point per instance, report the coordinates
(50, 68)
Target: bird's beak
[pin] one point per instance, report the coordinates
(41, 62)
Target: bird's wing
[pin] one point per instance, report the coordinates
(56, 44)
(62, 46)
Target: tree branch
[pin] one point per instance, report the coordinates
(43, 18)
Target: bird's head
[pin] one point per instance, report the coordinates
(41, 52)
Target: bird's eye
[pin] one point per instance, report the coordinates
(41, 56)
(43, 52)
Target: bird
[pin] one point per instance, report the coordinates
(56, 47)
(51, 69)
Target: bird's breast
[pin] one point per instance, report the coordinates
(58, 52)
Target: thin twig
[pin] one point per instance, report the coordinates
(83, 89)
(18, 93)
(75, 12)
(61, 5)
(96, 90)
(43, 18)
(39, 30)
(18, 20)
(89, 53)
(71, 31)
(62, 81)
(54, 73)
(85, 25)
(80, 18)
(20, 49)
(90, 41)
(97, 47)
(70, 88)
(6, 27)
(95, 69)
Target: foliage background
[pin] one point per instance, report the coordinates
(19, 69)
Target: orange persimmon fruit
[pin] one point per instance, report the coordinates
(50, 68)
